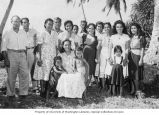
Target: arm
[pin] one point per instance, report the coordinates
(87, 71)
(98, 51)
(143, 45)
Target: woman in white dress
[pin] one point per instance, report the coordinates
(104, 52)
(120, 38)
(72, 84)
(47, 51)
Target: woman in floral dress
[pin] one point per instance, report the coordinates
(104, 52)
(47, 51)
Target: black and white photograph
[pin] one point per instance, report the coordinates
(79, 55)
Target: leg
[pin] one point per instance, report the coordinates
(12, 73)
(23, 75)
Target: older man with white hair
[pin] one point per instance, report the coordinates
(14, 51)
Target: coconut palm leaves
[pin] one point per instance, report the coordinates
(116, 4)
(81, 2)
(143, 13)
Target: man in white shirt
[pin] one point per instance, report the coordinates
(31, 35)
(14, 50)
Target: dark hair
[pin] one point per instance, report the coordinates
(57, 18)
(79, 49)
(57, 58)
(107, 23)
(100, 23)
(68, 21)
(62, 49)
(139, 30)
(27, 19)
(75, 26)
(47, 20)
(116, 48)
(122, 23)
(91, 24)
(84, 21)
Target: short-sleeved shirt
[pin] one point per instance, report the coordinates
(31, 37)
(14, 41)
(122, 40)
(137, 42)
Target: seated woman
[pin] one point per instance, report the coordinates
(73, 83)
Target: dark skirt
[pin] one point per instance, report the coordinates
(117, 75)
(135, 71)
(89, 54)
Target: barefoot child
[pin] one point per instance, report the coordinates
(116, 67)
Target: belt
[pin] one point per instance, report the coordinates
(17, 51)
(30, 47)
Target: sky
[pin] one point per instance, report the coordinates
(39, 10)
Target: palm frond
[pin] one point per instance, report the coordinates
(125, 5)
(68, 1)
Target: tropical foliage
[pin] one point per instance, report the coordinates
(143, 13)
(116, 4)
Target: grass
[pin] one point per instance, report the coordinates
(93, 101)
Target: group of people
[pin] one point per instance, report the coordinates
(67, 61)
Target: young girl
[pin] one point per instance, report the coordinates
(73, 85)
(117, 68)
(55, 74)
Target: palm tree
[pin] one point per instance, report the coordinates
(116, 4)
(143, 13)
(152, 55)
(80, 4)
(2, 25)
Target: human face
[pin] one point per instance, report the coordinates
(15, 22)
(83, 25)
(99, 28)
(107, 28)
(57, 24)
(67, 46)
(49, 25)
(118, 53)
(68, 27)
(91, 30)
(119, 28)
(134, 30)
(75, 29)
(79, 54)
(58, 63)
(25, 24)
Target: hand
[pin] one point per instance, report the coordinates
(39, 62)
(96, 60)
(7, 63)
(110, 61)
(125, 62)
(140, 63)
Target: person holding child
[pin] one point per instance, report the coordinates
(72, 84)
(47, 51)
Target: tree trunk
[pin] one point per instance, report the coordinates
(6, 16)
(120, 16)
(152, 54)
(83, 11)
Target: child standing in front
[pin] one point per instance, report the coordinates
(117, 67)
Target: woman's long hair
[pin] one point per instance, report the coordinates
(123, 24)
